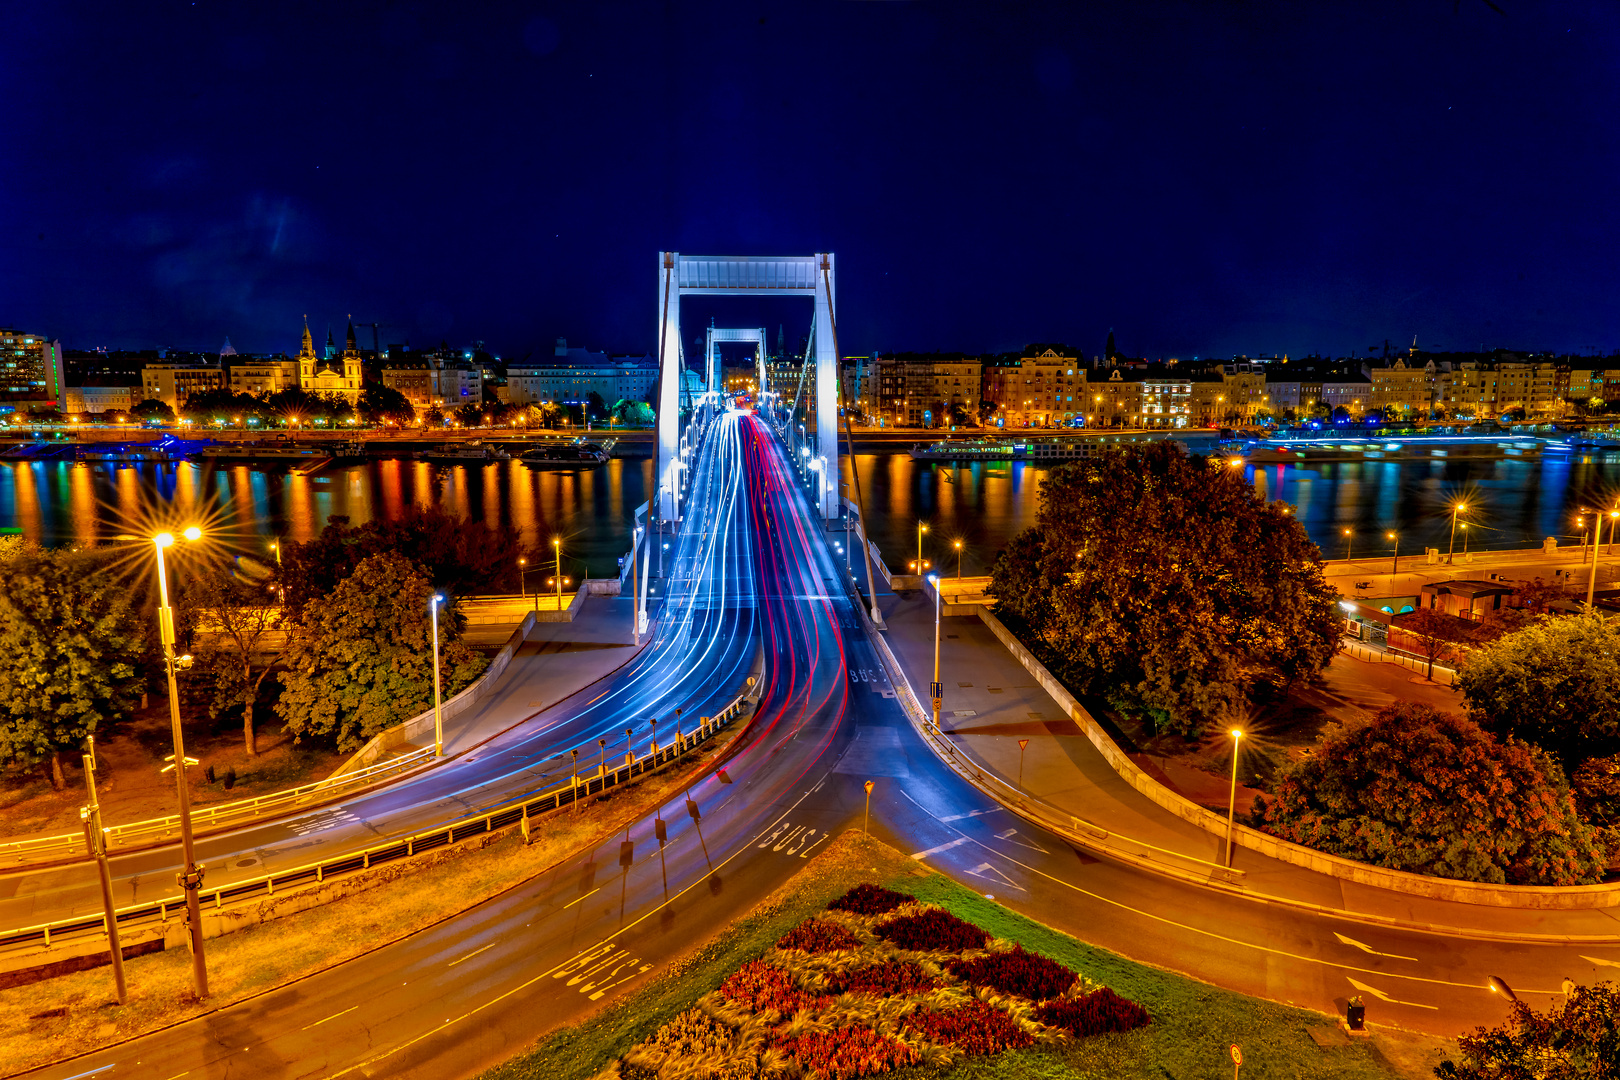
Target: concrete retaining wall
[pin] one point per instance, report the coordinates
(417, 727)
(603, 586)
(1530, 897)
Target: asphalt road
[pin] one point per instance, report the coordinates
(470, 992)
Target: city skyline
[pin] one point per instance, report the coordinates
(507, 177)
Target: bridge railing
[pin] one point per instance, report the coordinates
(154, 915)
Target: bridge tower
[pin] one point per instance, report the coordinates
(714, 275)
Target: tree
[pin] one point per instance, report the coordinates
(1576, 1040)
(1166, 581)
(1423, 791)
(433, 418)
(219, 403)
(1555, 683)
(362, 661)
(1437, 634)
(470, 416)
(595, 407)
(239, 622)
(152, 409)
(379, 404)
(69, 644)
(459, 555)
(633, 413)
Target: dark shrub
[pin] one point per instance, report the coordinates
(1096, 1013)
(934, 930)
(885, 979)
(817, 936)
(975, 1027)
(1017, 972)
(869, 900)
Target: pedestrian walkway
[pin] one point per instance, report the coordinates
(991, 702)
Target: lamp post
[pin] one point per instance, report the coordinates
(1347, 536)
(1452, 546)
(1465, 541)
(191, 876)
(1597, 538)
(523, 580)
(957, 544)
(556, 546)
(1395, 559)
(1231, 802)
(934, 690)
(922, 527)
(438, 711)
(97, 841)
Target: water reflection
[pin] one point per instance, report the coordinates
(1515, 501)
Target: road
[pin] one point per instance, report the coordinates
(465, 994)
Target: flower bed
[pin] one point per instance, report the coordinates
(1016, 972)
(818, 936)
(878, 983)
(933, 930)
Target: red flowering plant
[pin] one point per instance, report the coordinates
(932, 930)
(870, 900)
(761, 987)
(848, 1052)
(818, 936)
(1097, 1013)
(890, 978)
(1025, 974)
(974, 1028)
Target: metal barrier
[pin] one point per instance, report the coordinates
(517, 813)
(48, 848)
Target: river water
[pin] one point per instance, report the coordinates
(1513, 502)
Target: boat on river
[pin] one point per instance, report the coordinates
(574, 454)
(476, 452)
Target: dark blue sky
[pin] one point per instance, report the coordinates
(1206, 177)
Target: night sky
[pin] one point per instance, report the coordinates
(1205, 178)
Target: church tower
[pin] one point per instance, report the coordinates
(306, 356)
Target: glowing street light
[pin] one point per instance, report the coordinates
(556, 547)
(1347, 536)
(922, 527)
(957, 544)
(1231, 802)
(934, 690)
(1459, 508)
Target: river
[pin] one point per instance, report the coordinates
(1512, 502)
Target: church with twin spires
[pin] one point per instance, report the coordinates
(334, 373)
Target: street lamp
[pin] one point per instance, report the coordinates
(1231, 802)
(922, 527)
(1347, 535)
(438, 711)
(523, 579)
(556, 546)
(1395, 559)
(1452, 546)
(191, 877)
(957, 544)
(934, 690)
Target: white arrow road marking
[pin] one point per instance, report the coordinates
(921, 855)
(970, 814)
(1600, 962)
(1010, 833)
(985, 870)
(1381, 996)
(1364, 947)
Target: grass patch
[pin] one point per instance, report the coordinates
(1193, 1022)
(58, 1018)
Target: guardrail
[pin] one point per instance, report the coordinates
(157, 913)
(1443, 675)
(1060, 822)
(361, 771)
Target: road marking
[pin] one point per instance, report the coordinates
(1010, 833)
(587, 896)
(1364, 947)
(475, 952)
(1600, 962)
(318, 1023)
(969, 814)
(1381, 996)
(985, 870)
(921, 855)
(104, 1068)
(1208, 933)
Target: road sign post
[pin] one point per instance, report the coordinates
(867, 817)
(1237, 1060)
(1023, 744)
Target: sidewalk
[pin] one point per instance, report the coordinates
(991, 702)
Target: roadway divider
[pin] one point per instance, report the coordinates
(158, 918)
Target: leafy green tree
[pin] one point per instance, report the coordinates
(459, 555)
(1165, 581)
(362, 660)
(152, 409)
(380, 403)
(69, 644)
(236, 633)
(1423, 791)
(633, 413)
(470, 416)
(433, 418)
(1555, 683)
(1578, 1039)
(219, 403)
